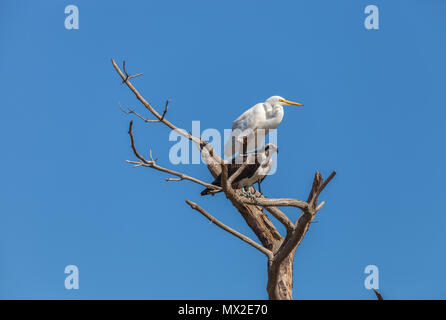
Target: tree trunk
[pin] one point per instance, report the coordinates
(280, 280)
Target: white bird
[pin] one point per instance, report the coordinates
(254, 124)
(257, 166)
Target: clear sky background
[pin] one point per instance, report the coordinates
(374, 111)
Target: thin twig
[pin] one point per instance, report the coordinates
(152, 164)
(319, 207)
(330, 177)
(165, 110)
(212, 161)
(131, 111)
(127, 77)
(151, 109)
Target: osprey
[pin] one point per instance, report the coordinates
(249, 130)
(258, 165)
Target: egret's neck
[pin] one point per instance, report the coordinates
(277, 115)
(274, 115)
(278, 109)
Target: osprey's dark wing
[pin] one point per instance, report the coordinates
(248, 171)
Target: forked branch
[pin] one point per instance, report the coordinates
(293, 239)
(131, 111)
(212, 160)
(152, 164)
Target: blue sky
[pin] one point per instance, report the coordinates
(374, 111)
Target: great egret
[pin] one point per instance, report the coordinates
(258, 165)
(254, 124)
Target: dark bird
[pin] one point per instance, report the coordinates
(258, 165)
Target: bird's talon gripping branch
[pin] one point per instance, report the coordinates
(244, 193)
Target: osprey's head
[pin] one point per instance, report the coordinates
(270, 149)
(279, 101)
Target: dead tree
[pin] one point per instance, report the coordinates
(278, 249)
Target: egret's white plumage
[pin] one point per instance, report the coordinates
(255, 123)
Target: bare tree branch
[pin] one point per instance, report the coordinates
(330, 177)
(303, 222)
(276, 212)
(262, 249)
(131, 111)
(282, 217)
(236, 174)
(212, 160)
(319, 207)
(149, 107)
(152, 164)
(127, 77)
(165, 110)
(281, 202)
(257, 220)
(174, 179)
(293, 239)
(296, 236)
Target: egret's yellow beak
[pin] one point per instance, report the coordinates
(291, 103)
